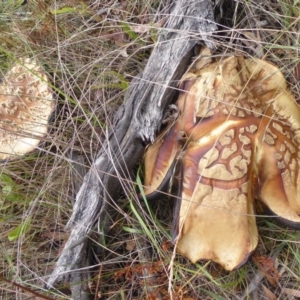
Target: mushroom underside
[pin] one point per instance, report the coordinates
(237, 142)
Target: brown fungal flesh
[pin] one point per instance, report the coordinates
(26, 102)
(238, 140)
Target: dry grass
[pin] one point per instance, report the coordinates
(91, 50)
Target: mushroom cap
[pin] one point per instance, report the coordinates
(26, 102)
(241, 129)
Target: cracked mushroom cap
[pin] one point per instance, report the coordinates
(238, 142)
(26, 102)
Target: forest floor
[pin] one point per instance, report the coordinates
(91, 50)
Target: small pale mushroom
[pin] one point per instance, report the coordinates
(26, 102)
(236, 143)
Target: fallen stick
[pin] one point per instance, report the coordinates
(135, 124)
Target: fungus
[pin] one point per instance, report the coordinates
(26, 102)
(235, 144)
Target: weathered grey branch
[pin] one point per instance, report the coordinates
(136, 121)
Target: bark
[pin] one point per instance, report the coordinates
(136, 123)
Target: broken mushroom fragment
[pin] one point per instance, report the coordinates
(237, 140)
(26, 102)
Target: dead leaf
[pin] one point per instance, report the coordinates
(124, 53)
(254, 43)
(266, 265)
(55, 235)
(116, 35)
(268, 293)
(130, 245)
(143, 28)
(291, 292)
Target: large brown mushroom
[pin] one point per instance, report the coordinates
(26, 102)
(236, 141)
